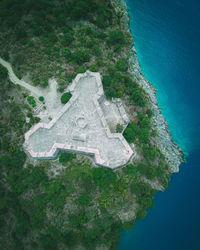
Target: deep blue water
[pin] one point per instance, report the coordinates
(167, 40)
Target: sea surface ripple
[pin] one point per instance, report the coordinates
(167, 40)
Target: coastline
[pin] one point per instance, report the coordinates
(172, 152)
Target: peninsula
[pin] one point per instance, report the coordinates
(83, 146)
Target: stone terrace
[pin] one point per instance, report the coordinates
(81, 127)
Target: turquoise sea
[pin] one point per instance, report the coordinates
(167, 40)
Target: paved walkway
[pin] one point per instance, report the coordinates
(14, 79)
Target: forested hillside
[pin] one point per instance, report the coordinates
(67, 203)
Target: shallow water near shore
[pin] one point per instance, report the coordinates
(167, 35)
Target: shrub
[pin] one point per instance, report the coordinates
(82, 69)
(138, 98)
(66, 52)
(119, 128)
(103, 176)
(61, 89)
(110, 92)
(41, 98)
(128, 135)
(81, 56)
(149, 171)
(116, 37)
(144, 135)
(36, 119)
(106, 80)
(80, 9)
(145, 202)
(121, 65)
(67, 39)
(94, 68)
(97, 50)
(65, 157)
(117, 77)
(141, 213)
(71, 76)
(84, 199)
(150, 152)
(3, 73)
(31, 101)
(144, 121)
(65, 97)
(131, 132)
(150, 113)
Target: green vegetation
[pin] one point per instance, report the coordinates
(41, 99)
(131, 132)
(121, 65)
(82, 69)
(31, 101)
(116, 38)
(150, 152)
(119, 128)
(46, 205)
(3, 73)
(65, 97)
(103, 177)
(66, 157)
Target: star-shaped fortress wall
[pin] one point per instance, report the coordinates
(80, 127)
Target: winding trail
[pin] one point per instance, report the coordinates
(14, 79)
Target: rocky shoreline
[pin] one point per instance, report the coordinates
(164, 141)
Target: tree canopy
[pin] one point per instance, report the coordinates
(65, 97)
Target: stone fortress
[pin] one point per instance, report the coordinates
(83, 125)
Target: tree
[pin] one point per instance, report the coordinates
(138, 98)
(54, 188)
(106, 80)
(150, 152)
(82, 69)
(41, 98)
(67, 39)
(142, 189)
(150, 113)
(144, 135)
(149, 171)
(145, 202)
(66, 52)
(3, 73)
(144, 121)
(119, 128)
(103, 176)
(80, 9)
(47, 242)
(20, 33)
(120, 186)
(129, 135)
(81, 56)
(31, 101)
(65, 97)
(84, 199)
(117, 77)
(131, 170)
(116, 37)
(96, 50)
(94, 68)
(121, 65)
(66, 157)
(110, 92)
(131, 132)
(141, 213)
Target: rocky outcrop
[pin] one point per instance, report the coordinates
(167, 146)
